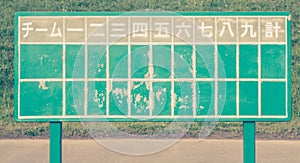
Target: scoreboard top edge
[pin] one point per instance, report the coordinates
(152, 13)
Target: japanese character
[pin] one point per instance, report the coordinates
(118, 27)
(203, 32)
(75, 29)
(181, 28)
(162, 29)
(270, 29)
(41, 29)
(97, 26)
(139, 30)
(229, 29)
(246, 26)
(27, 29)
(58, 33)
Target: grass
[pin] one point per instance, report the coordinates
(11, 129)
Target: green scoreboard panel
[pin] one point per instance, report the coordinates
(152, 66)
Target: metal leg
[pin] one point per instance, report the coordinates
(249, 141)
(55, 142)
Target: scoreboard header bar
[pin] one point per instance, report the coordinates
(156, 29)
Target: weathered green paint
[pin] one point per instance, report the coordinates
(39, 100)
(248, 62)
(248, 98)
(41, 61)
(161, 61)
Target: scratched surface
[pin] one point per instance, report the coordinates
(152, 68)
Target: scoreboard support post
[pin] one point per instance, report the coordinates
(249, 141)
(55, 142)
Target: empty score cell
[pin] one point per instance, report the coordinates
(205, 98)
(248, 99)
(227, 98)
(96, 61)
(40, 98)
(140, 98)
(118, 61)
(205, 64)
(140, 61)
(183, 94)
(226, 61)
(161, 56)
(74, 98)
(273, 61)
(248, 64)
(75, 61)
(40, 61)
(183, 61)
(118, 98)
(162, 98)
(273, 98)
(96, 98)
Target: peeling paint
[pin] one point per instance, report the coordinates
(148, 84)
(119, 92)
(138, 98)
(100, 67)
(159, 93)
(141, 97)
(183, 102)
(191, 71)
(147, 75)
(181, 56)
(74, 106)
(42, 85)
(183, 107)
(99, 98)
(138, 85)
(43, 58)
(141, 103)
(108, 87)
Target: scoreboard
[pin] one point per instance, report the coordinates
(152, 66)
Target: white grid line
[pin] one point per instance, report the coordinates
(151, 95)
(172, 70)
(194, 85)
(19, 68)
(129, 100)
(237, 69)
(216, 75)
(64, 71)
(85, 69)
(176, 16)
(151, 117)
(108, 85)
(155, 43)
(286, 67)
(259, 69)
(154, 79)
(151, 71)
(75, 29)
